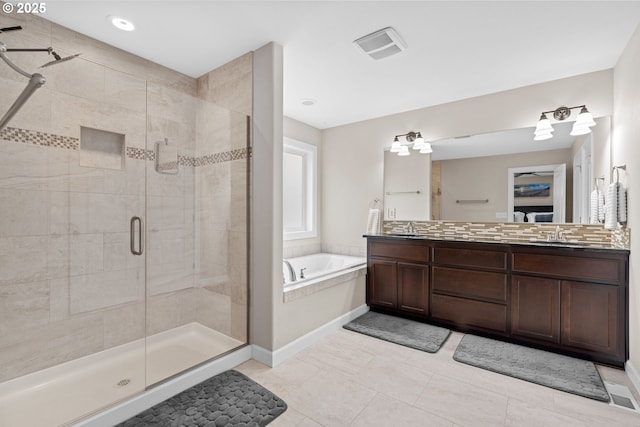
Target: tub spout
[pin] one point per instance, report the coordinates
(292, 273)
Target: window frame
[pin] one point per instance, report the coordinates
(309, 196)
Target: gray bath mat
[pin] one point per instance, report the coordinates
(408, 333)
(228, 399)
(537, 366)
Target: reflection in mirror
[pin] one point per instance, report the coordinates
(406, 187)
(469, 174)
(538, 195)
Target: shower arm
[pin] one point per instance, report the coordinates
(35, 81)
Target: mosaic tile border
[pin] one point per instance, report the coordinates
(596, 235)
(43, 139)
(26, 136)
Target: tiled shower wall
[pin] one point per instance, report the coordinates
(223, 283)
(69, 286)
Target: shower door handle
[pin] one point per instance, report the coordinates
(140, 249)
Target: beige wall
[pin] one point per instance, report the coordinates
(486, 178)
(626, 150)
(266, 190)
(353, 154)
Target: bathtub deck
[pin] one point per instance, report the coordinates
(64, 393)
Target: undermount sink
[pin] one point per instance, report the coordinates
(559, 243)
(403, 234)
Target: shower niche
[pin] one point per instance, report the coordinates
(101, 149)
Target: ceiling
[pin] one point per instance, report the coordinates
(456, 50)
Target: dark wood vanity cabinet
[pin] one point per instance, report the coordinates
(575, 300)
(469, 286)
(571, 300)
(398, 276)
(535, 308)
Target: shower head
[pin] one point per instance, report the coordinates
(58, 59)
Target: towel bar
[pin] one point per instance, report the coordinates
(389, 193)
(473, 201)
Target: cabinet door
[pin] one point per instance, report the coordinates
(413, 286)
(382, 283)
(591, 317)
(535, 308)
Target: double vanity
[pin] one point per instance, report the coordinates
(566, 298)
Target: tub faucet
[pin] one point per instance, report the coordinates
(302, 272)
(292, 273)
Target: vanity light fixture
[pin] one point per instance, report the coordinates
(414, 138)
(581, 126)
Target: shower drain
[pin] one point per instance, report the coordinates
(123, 383)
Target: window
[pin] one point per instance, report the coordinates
(299, 190)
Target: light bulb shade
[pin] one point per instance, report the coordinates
(426, 149)
(395, 146)
(544, 125)
(542, 136)
(404, 151)
(585, 118)
(419, 142)
(579, 129)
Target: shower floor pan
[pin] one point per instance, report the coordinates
(64, 393)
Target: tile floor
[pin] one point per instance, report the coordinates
(349, 379)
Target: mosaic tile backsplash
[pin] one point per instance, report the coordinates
(27, 136)
(595, 235)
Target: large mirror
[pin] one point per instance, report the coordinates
(477, 178)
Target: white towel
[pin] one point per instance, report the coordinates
(622, 202)
(611, 207)
(593, 207)
(373, 223)
(600, 206)
(596, 207)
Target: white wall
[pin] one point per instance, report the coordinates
(353, 154)
(626, 150)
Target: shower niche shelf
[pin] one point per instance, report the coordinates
(101, 149)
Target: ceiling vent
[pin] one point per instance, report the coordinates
(382, 43)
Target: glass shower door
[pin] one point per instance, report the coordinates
(197, 232)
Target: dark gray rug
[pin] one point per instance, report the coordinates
(228, 399)
(408, 333)
(537, 366)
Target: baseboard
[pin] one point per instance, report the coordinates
(127, 409)
(633, 375)
(275, 358)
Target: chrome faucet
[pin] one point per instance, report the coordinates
(557, 236)
(410, 228)
(292, 273)
(302, 272)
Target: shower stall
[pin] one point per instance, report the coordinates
(123, 234)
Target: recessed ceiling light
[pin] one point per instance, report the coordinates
(308, 102)
(121, 23)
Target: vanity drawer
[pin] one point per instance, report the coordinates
(585, 268)
(470, 257)
(482, 285)
(469, 313)
(402, 250)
